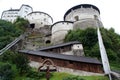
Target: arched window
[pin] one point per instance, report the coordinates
(47, 42)
(32, 25)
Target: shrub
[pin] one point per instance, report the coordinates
(21, 62)
(35, 75)
(6, 72)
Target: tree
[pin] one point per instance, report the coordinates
(6, 72)
(22, 63)
(88, 38)
(8, 56)
(21, 23)
(8, 32)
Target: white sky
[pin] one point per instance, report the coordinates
(110, 12)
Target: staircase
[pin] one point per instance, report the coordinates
(12, 44)
(115, 75)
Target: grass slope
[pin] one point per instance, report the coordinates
(60, 76)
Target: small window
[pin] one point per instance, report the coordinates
(76, 18)
(95, 17)
(44, 19)
(26, 8)
(32, 25)
(51, 49)
(26, 12)
(43, 57)
(70, 62)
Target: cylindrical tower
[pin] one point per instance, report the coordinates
(83, 16)
(59, 30)
(39, 19)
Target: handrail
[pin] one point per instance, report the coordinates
(12, 44)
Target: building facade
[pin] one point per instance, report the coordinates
(70, 48)
(78, 65)
(12, 14)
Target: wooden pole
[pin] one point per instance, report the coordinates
(48, 73)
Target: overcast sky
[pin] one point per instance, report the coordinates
(110, 12)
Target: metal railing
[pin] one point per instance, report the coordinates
(11, 44)
(115, 74)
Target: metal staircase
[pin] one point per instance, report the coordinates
(115, 74)
(12, 44)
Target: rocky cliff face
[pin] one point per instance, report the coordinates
(37, 38)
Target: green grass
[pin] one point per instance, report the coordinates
(60, 76)
(25, 78)
(94, 77)
(57, 76)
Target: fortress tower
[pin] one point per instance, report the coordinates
(83, 16)
(80, 16)
(39, 19)
(59, 31)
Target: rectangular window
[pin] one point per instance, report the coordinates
(43, 57)
(26, 8)
(26, 12)
(70, 62)
(77, 18)
(44, 19)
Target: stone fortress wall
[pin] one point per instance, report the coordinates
(40, 19)
(80, 16)
(83, 16)
(59, 31)
(81, 13)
